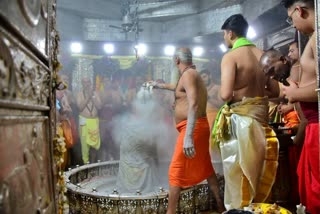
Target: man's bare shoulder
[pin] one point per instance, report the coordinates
(228, 55)
(190, 73)
(236, 54)
(228, 58)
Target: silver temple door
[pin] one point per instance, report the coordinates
(27, 175)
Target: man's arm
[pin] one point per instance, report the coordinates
(299, 137)
(228, 75)
(82, 102)
(284, 108)
(167, 86)
(65, 106)
(272, 89)
(304, 94)
(189, 83)
(97, 100)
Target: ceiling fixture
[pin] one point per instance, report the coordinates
(140, 49)
(251, 34)
(76, 47)
(130, 20)
(223, 48)
(198, 51)
(108, 48)
(169, 50)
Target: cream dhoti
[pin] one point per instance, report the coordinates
(249, 151)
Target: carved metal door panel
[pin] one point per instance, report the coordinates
(26, 119)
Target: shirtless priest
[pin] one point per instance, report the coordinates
(191, 162)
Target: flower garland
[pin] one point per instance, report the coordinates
(59, 145)
(58, 151)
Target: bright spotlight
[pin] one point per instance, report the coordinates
(198, 51)
(108, 48)
(251, 34)
(76, 47)
(223, 48)
(169, 50)
(141, 49)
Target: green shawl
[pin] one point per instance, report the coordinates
(242, 42)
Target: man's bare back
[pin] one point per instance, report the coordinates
(190, 80)
(241, 75)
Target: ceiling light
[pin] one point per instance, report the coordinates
(197, 51)
(223, 48)
(108, 48)
(76, 47)
(141, 49)
(169, 50)
(251, 34)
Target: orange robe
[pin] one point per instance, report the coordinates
(185, 172)
(291, 119)
(67, 133)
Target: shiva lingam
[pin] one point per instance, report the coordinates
(148, 86)
(146, 92)
(91, 189)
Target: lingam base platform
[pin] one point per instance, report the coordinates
(91, 190)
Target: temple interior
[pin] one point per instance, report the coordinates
(58, 54)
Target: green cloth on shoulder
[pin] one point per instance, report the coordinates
(242, 42)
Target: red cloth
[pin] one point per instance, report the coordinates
(310, 111)
(294, 155)
(185, 172)
(291, 120)
(308, 170)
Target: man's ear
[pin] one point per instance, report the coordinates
(302, 12)
(177, 61)
(232, 35)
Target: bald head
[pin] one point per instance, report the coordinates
(275, 65)
(270, 55)
(184, 55)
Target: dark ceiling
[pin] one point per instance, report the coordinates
(159, 11)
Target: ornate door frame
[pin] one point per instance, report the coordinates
(28, 67)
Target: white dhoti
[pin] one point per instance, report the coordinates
(249, 151)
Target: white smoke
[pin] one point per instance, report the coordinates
(143, 135)
(147, 122)
(142, 116)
